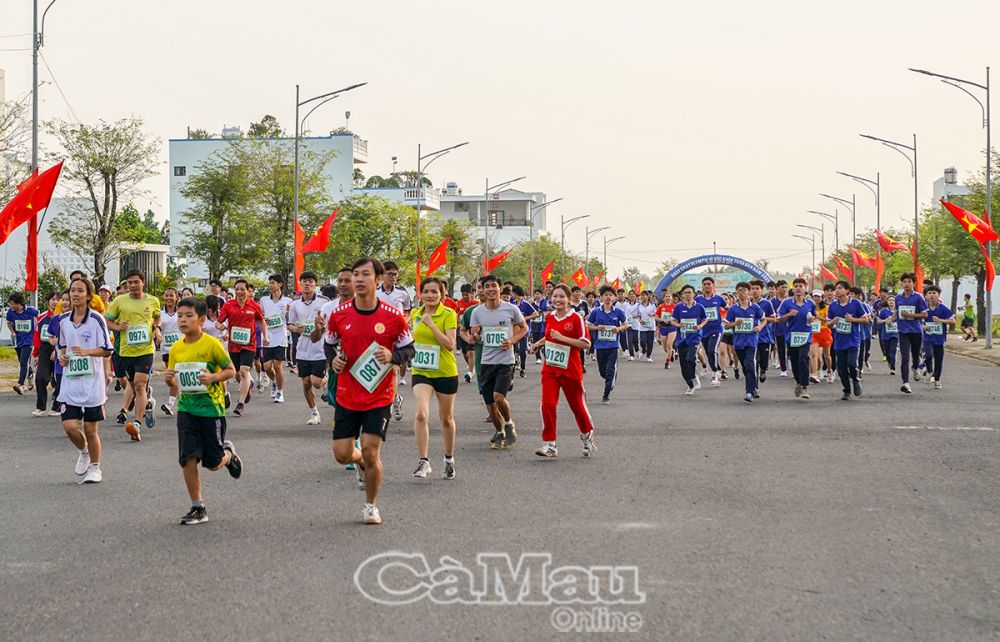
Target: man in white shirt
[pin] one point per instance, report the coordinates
(310, 361)
(275, 307)
(396, 296)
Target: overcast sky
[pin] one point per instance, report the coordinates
(678, 124)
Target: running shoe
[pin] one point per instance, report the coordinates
(359, 473)
(666, 365)
(37, 413)
(906, 388)
(868, 366)
(402, 381)
(756, 394)
(916, 374)
(805, 393)
(82, 462)
(588, 443)
(631, 358)
(689, 392)
(521, 372)
(122, 417)
(704, 371)
(605, 401)
(228, 401)
(150, 419)
(423, 468)
(724, 375)
(31, 378)
(167, 410)
(510, 434)
(538, 361)
(922, 372)
(815, 379)
(133, 431)
(370, 514)
(468, 377)
(831, 378)
(845, 397)
(93, 475)
(937, 385)
(118, 382)
(930, 381)
(748, 397)
(857, 388)
(449, 470)
(697, 383)
(650, 359)
(313, 418)
(150, 402)
(54, 413)
(497, 442)
(798, 390)
(260, 385)
(548, 449)
(397, 408)
(239, 410)
(274, 389)
(763, 375)
(892, 373)
(279, 397)
(18, 389)
(736, 373)
(716, 382)
(783, 373)
(235, 464)
(197, 515)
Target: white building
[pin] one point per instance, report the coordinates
(947, 186)
(428, 198)
(511, 216)
(187, 153)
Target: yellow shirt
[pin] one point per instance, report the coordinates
(425, 343)
(139, 313)
(96, 304)
(205, 350)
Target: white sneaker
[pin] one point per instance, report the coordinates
(397, 408)
(279, 397)
(548, 449)
(41, 413)
(423, 468)
(54, 413)
(704, 372)
(937, 384)
(631, 358)
(360, 474)
(588, 443)
(716, 382)
(650, 359)
(906, 388)
(260, 384)
(539, 360)
(93, 476)
(784, 373)
(697, 383)
(370, 514)
(689, 392)
(930, 380)
(82, 462)
(402, 380)
(313, 418)
(264, 379)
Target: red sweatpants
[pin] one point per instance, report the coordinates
(576, 397)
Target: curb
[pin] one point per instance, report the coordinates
(992, 360)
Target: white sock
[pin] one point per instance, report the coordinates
(94, 466)
(85, 452)
(171, 400)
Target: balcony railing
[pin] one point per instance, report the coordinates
(360, 150)
(429, 199)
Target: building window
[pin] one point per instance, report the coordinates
(180, 170)
(462, 206)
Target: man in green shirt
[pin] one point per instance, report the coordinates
(969, 320)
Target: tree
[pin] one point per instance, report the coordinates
(221, 226)
(268, 127)
(463, 250)
(144, 229)
(359, 177)
(15, 133)
(975, 202)
(199, 134)
(666, 266)
(106, 164)
(409, 179)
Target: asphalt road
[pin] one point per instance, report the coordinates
(873, 519)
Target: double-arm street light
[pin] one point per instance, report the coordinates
(608, 242)
(531, 237)
(586, 252)
(822, 239)
(421, 167)
(835, 219)
(957, 84)
(899, 147)
(850, 204)
(812, 241)
(486, 218)
(562, 238)
(867, 182)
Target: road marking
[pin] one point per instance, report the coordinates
(962, 428)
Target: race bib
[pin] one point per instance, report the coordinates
(892, 328)
(43, 332)
(187, 377)
(744, 325)
(815, 325)
(842, 327)
(666, 316)
(273, 321)
(79, 366)
(22, 325)
(799, 339)
(170, 339)
(137, 336)
(908, 309)
(368, 371)
(427, 357)
(934, 329)
(308, 327)
(557, 355)
(494, 336)
(628, 319)
(605, 335)
(688, 326)
(712, 313)
(240, 336)
(647, 324)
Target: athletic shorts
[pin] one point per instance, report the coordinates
(76, 413)
(966, 322)
(274, 354)
(132, 365)
(495, 378)
(727, 338)
(330, 352)
(351, 424)
(823, 338)
(667, 329)
(201, 438)
(441, 385)
(463, 347)
(116, 366)
(311, 368)
(241, 359)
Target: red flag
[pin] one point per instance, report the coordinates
(32, 197)
(616, 284)
(597, 280)
(495, 261)
(977, 227)
(826, 273)
(919, 271)
(862, 259)
(845, 269)
(580, 278)
(990, 272)
(879, 272)
(889, 245)
(547, 272)
(300, 259)
(320, 240)
(31, 260)
(438, 257)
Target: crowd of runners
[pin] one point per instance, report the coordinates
(352, 343)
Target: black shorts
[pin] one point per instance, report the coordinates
(274, 354)
(116, 366)
(166, 355)
(76, 413)
(727, 338)
(350, 424)
(132, 365)
(966, 322)
(441, 385)
(311, 368)
(495, 378)
(463, 346)
(201, 438)
(243, 358)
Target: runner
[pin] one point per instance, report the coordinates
(564, 344)
(607, 322)
(888, 333)
(497, 326)
(310, 354)
(845, 317)
(798, 313)
(435, 373)
(582, 308)
(544, 305)
(631, 309)
(275, 307)
(171, 334)
(821, 363)
(467, 350)
(647, 324)
(766, 338)
(83, 344)
(711, 335)
(939, 317)
(397, 296)
(865, 349)
(746, 320)
(727, 353)
(199, 366)
(530, 313)
(668, 333)
(911, 309)
(45, 357)
(373, 337)
(21, 321)
(136, 317)
(969, 320)
(240, 316)
(780, 330)
(98, 302)
(690, 319)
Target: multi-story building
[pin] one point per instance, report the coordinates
(948, 186)
(510, 216)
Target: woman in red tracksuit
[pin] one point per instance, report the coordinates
(565, 337)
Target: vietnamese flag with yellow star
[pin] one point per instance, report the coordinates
(438, 257)
(547, 272)
(861, 259)
(580, 278)
(826, 273)
(320, 240)
(977, 227)
(845, 269)
(33, 196)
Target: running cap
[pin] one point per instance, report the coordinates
(817, 293)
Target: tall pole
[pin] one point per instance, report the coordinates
(916, 207)
(854, 221)
(36, 43)
(989, 212)
(878, 202)
(295, 187)
(562, 243)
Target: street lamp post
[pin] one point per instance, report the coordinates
(867, 182)
(531, 237)
(835, 219)
(562, 238)
(822, 239)
(607, 242)
(957, 83)
(486, 211)
(899, 147)
(37, 40)
(586, 252)
(421, 166)
(812, 240)
(851, 205)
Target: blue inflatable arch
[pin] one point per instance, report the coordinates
(710, 259)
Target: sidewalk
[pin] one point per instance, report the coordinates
(975, 350)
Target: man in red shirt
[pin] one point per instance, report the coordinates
(374, 340)
(242, 315)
